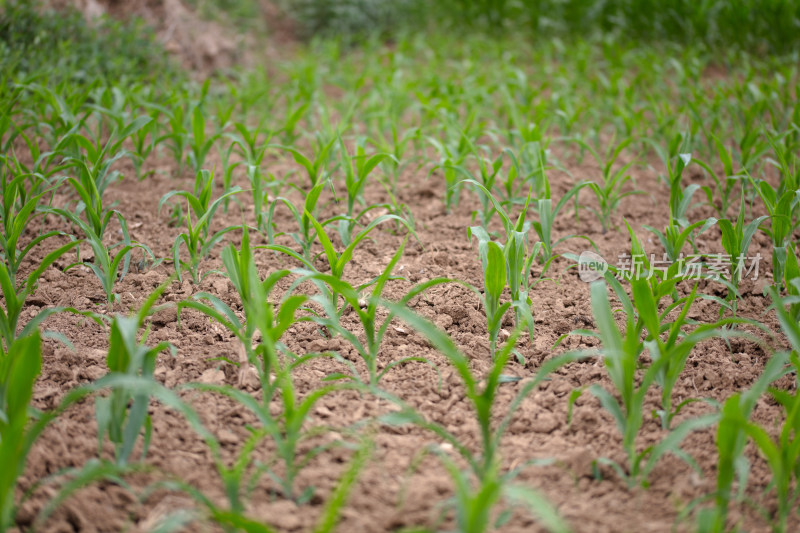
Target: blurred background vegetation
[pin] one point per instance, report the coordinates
(761, 26)
(769, 26)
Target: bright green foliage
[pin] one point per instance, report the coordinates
(724, 185)
(15, 295)
(731, 440)
(515, 262)
(489, 170)
(18, 211)
(736, 428)
(19, 368)
(200, 143)
(198, 238)
(792, 284)
(366, 310)
(547, 217)
(123, 414)
(736, 242)
(675, 236)
(306, 234)
(316, 170)
(609, 191)
(680, 197)
(94, 158)
(252, 151)
(357, 169)
(621, 351)
(780, 206)
(110, 263)
(474, 500)
(287, 428)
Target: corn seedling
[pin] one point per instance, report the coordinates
(452, 155)
(680, 197)
(731, 439)
(95, 159)
(316, 170)
(736, 242)
(336, 261)
(518, 257)
(792, 284)
(723, 186)
(109, 263)
(366, 310)
(780, 207)
(474, 501)
(489, 170)
(19, 367)
(176, 136)
(18, 211)
(675, 236)
(306, 234)
(544, 226)
(123, 415)
(357, 169)
(677, 345)
(252, 152)
(736, 429)
(15, 295)
(199, 143)
(609, 190)
(198, 238)
(621, 353)
(287, 428)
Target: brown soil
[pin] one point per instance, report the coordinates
(401, 487)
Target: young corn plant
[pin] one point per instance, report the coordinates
(306, 234)
(621, 353)
(15, 295)
(19, 208)
(95, 159)
(20, 365)
(489, 170)
(144, 142)
(357, 169)
(779, 207)
(609, 190)
(110, 263)
(289, 427)
(252, 152)
(674, 237)
(680, 197)
(366, 310)
(200, 143)
(720, 197)
(176, 136)
(122, 416)
(736, 242)
(486, 482)
(198, 238)
(338, 261)
(669, 341)
(791, 281)
(544, 226)
(90, 203)
(452, 155)
(316, 170)
(736, 429)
